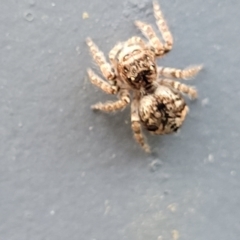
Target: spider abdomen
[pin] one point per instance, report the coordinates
(164, 111)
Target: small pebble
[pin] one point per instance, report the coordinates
(175, 234)
(85, 15)
(155, 165)
(28, 16)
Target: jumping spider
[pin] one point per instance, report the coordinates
(156, 103)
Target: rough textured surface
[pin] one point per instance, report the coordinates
(69, 173)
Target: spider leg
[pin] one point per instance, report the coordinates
(99, 82)
(100, 59)
(136, 126)
(163, 27)
(149, 33)
(135, 40)
(111, 106)
(185, 74)
(190, 91)
(147, 30)
(113, 53)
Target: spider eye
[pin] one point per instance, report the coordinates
(125, 69)
(136, 51)
(126, 57)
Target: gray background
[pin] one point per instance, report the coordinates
(69, 173)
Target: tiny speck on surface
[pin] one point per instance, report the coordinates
(28, 16)
(155, 165)
(148, 12)
(166, 192)
(32, 2)
(172, 207)
(52, 212)
(210, 158)
(191, 210)
(78, 50)
(126, 13)
(85, 15)
(133, 2)
(45, 18)
(107, 207)
(205, 102)
(175, 235)
(142, 5)
(217, 47)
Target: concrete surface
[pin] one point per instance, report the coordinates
(69, 173)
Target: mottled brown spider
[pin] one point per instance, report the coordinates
(156, 100)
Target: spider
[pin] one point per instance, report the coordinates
(157, 101)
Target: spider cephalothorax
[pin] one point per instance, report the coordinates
(157, 101)
(136, 65)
